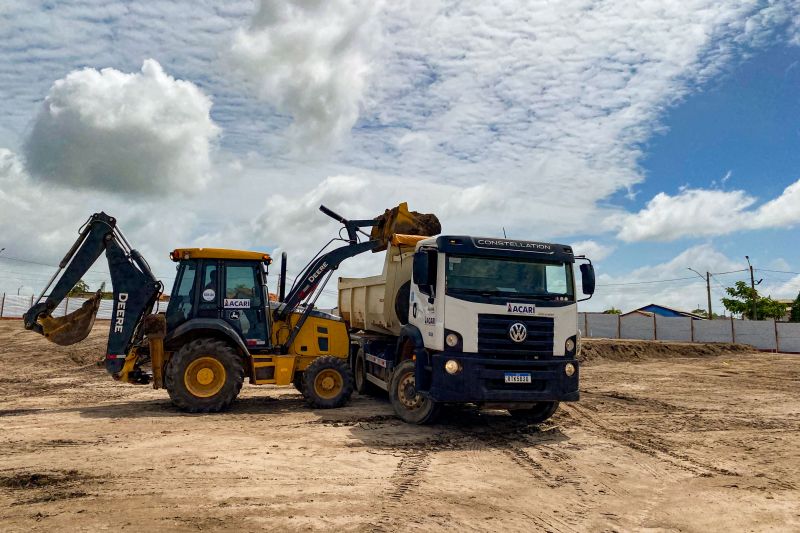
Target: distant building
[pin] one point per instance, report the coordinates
(788, 304)
(663, 310)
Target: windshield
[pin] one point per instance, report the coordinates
(488, 275)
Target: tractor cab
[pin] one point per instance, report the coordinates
(229, 285)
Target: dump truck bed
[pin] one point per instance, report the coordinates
(379, 304)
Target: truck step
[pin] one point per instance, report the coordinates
(378, 382)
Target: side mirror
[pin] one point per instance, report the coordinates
(424, 270)
(587, 278)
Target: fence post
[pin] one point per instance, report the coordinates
(655, 328)
(2, 305)
(733, 331)
(777, 338)
(619, 326)
(66, 306)
(691, 330)
(31, 300)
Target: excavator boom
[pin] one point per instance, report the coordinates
(135, 292)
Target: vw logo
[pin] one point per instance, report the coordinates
(518, 332)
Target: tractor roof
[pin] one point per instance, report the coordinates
(217, 253)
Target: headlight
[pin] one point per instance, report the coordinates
(569, 345)
(569, 369)
(451, 340)
(452, 366)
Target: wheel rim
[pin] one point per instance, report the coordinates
(204, 377)
(407, 392)
(328, 384)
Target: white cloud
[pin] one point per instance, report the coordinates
(634, 289)
(706, 212)
(310, 60)
(592, 249)
(144, 133)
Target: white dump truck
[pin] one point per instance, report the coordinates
(459, 319)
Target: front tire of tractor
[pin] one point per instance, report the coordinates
(537, 414)
(328, 382)
(204, 376)
(299, 382)
(408, 404)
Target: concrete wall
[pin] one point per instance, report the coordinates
(758, 333)
(674, 328)
(637, 327)
(601, 326)
(713, 330)
(761, 334)
(13, 306)
(788, 337)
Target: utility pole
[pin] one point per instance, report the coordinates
(754, 316)
(708, 289)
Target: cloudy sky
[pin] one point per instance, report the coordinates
(654, 136)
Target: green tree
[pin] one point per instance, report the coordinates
(81, 287)
(795, 316)
(612, 311)
(741, 303)
(704, 313)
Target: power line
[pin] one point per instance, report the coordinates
(776, 271)
(646, 282)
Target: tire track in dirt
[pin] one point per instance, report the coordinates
(648, 444)
(406, 477)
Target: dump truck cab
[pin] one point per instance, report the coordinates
(461, 319)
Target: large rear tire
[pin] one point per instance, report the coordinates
(327, 382)
(536, 414)
(408, 404)
(362, 385)
(204, 376)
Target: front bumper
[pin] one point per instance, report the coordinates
(483, 380)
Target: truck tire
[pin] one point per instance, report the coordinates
(361, 384)
(204, 376)
(537, 414)
(408, 404)
(327, 382)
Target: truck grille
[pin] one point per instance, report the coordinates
(493, 339)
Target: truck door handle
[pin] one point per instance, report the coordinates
(414, 310)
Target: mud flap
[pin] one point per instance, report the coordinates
(74, 327)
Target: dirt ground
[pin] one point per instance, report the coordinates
(664, 438)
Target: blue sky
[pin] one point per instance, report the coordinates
(653, 136)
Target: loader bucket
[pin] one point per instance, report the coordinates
(74, 327)
(400, 220)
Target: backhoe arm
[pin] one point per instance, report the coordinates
(135, 292)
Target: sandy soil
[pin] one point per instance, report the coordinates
(705, 442)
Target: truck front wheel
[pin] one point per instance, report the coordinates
(536, 414)
(409, 404)
(204, 376)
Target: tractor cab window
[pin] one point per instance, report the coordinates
(180, 305)
(208, 293)
(243, 299)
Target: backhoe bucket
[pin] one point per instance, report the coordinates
(400, 220)
(74, 327)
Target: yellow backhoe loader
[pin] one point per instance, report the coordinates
(220, 325)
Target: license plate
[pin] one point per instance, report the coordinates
(518, 377)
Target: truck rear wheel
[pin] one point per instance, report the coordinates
(409, 404)
(362, 386)
(204, 376)
(327, 382)
(536, 414)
